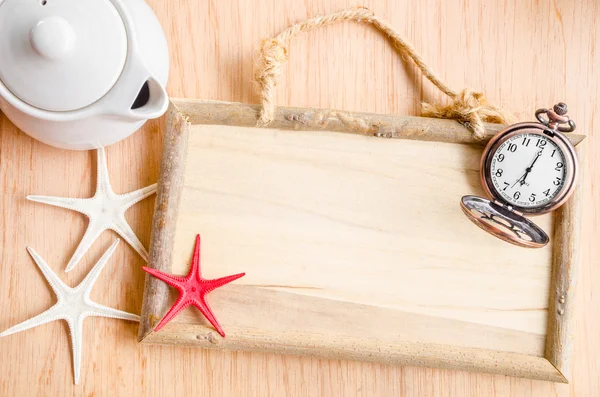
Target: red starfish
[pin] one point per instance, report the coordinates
(192, 290)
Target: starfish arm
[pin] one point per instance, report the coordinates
(73, 204)
(135, 197)
(202, 305)
(174, 311)
(102, 177)
(195, 267)
(52, 314)
(172, 280)
(219, 282)
(97, 310)
(55, 282)
(76, 331)
(94, 229)
(92, 276)
(124, 230)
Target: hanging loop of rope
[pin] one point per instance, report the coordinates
(468, 106)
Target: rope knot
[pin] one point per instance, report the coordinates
(469, 108)
(273, 50)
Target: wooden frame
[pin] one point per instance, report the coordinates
(555, 366)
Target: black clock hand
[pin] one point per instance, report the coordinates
(528, 170)
(534, 160)
(520, 179)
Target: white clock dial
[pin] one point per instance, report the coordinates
(528, 170)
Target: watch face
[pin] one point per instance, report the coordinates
(528, 170)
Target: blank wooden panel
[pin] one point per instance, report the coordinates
(364, 232)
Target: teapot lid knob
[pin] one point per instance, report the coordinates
(53, 38)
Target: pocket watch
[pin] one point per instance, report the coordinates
(526, 169)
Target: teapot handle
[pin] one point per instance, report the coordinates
(120, 100)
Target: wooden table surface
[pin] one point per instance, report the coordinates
(522, 56)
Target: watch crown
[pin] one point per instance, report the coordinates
(560, 108)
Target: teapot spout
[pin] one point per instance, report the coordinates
(138, 95)
(151, 102)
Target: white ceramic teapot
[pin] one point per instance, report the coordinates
(80, 74)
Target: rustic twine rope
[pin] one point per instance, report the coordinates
(468, 107)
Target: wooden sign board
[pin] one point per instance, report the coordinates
(354, 244)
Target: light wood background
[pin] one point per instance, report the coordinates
(523, 55)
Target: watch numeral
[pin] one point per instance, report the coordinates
(557, 181)
(506, 185)
(547, 192)
(517, 195)
(500, 158)
(532, 197)
(541, 143)
(512, 147)
(554, 151)
(499, 172)
(559, 165)
(526, 141)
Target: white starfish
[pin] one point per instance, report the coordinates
(106, 210)
(73, 305)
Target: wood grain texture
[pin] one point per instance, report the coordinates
(523, 55)
(368, 124)
(168, 197)
(559, 343)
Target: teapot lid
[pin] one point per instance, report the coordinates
(61, 55)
